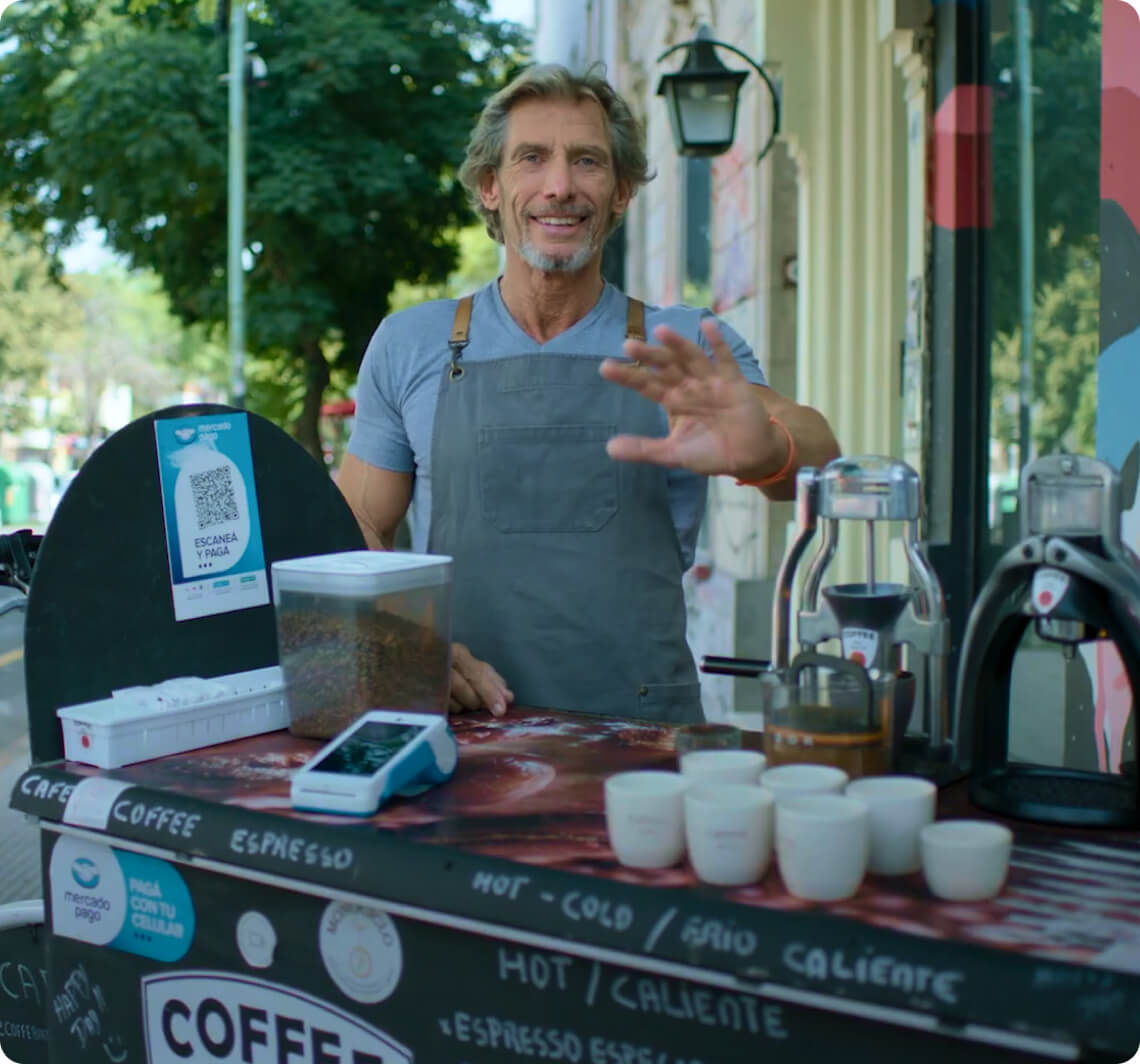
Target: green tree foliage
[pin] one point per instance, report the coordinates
(478, 263)
(34, 312)
(120, 115)
(66, 342)
(125, 335)
(1066, 51)
(1065, 348)
(1065, 61)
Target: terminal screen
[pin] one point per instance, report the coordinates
(368, 748)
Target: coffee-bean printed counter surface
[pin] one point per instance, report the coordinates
(487, 920)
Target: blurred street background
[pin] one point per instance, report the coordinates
(19, 868)
(114, 295)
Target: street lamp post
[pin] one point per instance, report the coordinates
(1025, 208)
(236, 203)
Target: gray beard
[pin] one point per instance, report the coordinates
(549, 264)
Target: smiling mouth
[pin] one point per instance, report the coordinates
(558, 222)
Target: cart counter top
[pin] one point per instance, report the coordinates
(515, 845)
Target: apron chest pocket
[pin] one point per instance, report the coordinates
(547, 478)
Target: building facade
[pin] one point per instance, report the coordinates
(807, 251)
(914, 256)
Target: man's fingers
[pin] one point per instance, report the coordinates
(680, 358)
(639, 352)
(650, 384)
(462, 691)
(678, 400)
(692, 359)
(720, 348)
(640, 449)
(647, 363)
(461, 657)
(675, 359)
(500, 683)
(491, 686)
(475, 684)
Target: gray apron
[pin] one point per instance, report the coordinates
(567, 575)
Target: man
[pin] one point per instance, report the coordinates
(502, 422)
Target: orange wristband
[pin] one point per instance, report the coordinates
(785, 469)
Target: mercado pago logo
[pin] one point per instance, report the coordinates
(123, 900)
(85, 872)
(224, 1017)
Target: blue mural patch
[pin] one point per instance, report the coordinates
(1118, 370)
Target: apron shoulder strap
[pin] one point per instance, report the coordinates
(462, 323)
(634, 319)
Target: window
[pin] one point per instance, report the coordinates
(1044, 256)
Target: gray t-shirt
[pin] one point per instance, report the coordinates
(398, 386)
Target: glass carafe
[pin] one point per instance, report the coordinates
(830, 711)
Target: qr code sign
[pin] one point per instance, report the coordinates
(214, 498)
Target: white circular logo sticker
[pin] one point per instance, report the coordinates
(1049, 587)
(88, 893)
(256, 939)
(361, 950)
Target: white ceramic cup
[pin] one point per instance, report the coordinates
(723, 766)
(900, 807)
(645, 817)
(785, 781)
(965, 860)
(728, 831)
(822, 844)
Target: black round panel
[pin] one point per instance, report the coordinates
(100, 613)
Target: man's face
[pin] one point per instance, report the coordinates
(555, 189)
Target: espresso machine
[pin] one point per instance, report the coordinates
(871, 618)
(1073, 578)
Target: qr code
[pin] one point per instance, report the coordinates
(214, 498)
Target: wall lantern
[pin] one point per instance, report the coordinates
(702, 97)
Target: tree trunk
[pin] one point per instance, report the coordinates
(306, 429)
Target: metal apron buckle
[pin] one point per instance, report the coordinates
(456, 371)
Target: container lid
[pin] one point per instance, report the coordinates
(361, 572)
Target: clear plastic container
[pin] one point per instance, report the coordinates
(362, 630)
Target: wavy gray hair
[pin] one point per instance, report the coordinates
(552, 82)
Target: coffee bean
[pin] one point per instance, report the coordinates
(341, 658)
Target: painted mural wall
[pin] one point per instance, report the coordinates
(1118, 368)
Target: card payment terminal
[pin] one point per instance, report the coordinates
(385, 752)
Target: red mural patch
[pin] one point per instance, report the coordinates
(1120, 37)
(960, 195)
(1120, 108)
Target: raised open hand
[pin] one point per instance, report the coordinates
(718, 421)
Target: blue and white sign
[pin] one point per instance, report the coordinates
(209, 504)
(123, 900)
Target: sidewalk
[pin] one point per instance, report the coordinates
(19, 839)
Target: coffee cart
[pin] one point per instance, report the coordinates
(192, 914)
(488, 920)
